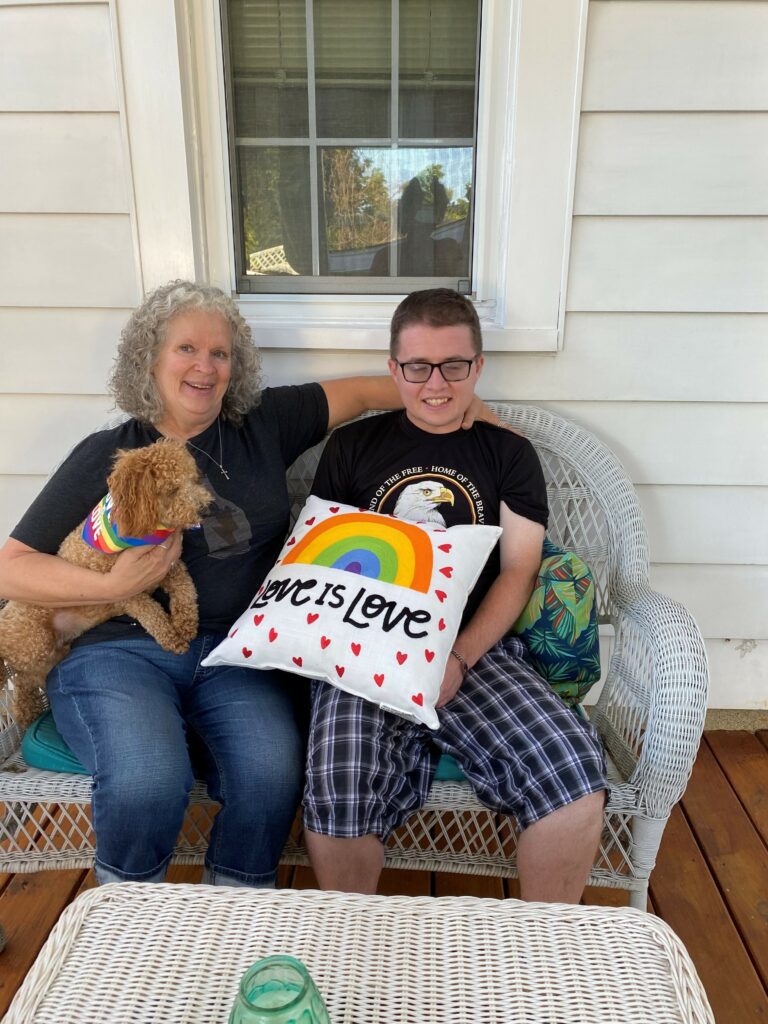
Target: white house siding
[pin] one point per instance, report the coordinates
(68, 260)
(665, 348)
(664, 351)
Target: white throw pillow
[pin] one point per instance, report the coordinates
(370, 603)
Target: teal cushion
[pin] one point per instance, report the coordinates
(559, 624)
(43, 747)
(448, 770)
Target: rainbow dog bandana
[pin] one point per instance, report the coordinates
(100, 532)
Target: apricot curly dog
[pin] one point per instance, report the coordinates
(152, 491)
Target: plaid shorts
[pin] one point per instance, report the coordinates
(523, 751)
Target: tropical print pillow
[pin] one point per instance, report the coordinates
(559, 624)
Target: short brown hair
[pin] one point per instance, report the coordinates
(438, 307)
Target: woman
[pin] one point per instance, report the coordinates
(186, 368)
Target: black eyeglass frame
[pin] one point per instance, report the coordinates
(436, 366)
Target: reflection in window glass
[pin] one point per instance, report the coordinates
(274, 192)
(353, 140)
(353, 68)
(397, 212)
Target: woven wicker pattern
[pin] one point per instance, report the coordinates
(650, 713)
(175, 953)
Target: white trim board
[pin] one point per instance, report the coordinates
(527, 159)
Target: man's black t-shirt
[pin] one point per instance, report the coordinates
(388, 465)
(243, 530)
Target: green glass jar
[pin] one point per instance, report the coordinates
(278, 990)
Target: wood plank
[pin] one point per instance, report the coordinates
(738, 669)
(446, 883)
(304, 877)
(762, 735)
(687, 898)
(189, 874)
(57, 57)
(403, 882)
(696, 524)
(605, 357)
(669, 264)
(16, 495)
(62, 163)
(88, 882)
(67, 260)
(71, 350)
(50, 424)
(712, 440)
(285, 874)
(600, 896)
(742, 758)
(734, 851)
(29, 908)
(727, 601)
(512, 888)
(671, 163)
(676, 56)
(393, 881)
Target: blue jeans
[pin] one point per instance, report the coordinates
(128, 708)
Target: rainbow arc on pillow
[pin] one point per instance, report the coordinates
(384, 549)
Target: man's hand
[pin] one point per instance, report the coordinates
(451, 683)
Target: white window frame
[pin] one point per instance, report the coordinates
(532, 56)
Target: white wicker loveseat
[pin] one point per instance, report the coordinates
(650, 713)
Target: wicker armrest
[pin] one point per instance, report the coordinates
(651, 710)
(10, 735)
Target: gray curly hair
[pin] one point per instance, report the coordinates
(132, 383)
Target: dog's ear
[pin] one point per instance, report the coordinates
(133, 486)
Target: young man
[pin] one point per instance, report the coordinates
(524, 752)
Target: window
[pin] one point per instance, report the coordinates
(528, 100)
(352, 142)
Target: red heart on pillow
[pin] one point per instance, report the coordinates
(247, 653)
(310, 521)
(444, 547)
(324, 641)
(312, 617)
(401, 657)
(297, 661)
(333, 508)
(440, 595)
(429, 655)
(447, 571)
(233, 632)
(257, 619)
(272, 635)
(418, 698)
(441, 625)
(379, 679)
(339, 671)
(291, 541)
(355, 649)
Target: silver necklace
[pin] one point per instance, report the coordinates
(223, 471)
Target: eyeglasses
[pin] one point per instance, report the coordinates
(451, 370)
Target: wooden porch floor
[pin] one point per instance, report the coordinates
(710, 883)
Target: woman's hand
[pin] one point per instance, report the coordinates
(143, 568)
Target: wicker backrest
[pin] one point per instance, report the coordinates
(593, 508)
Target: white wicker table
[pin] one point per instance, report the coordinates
(175, 953)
